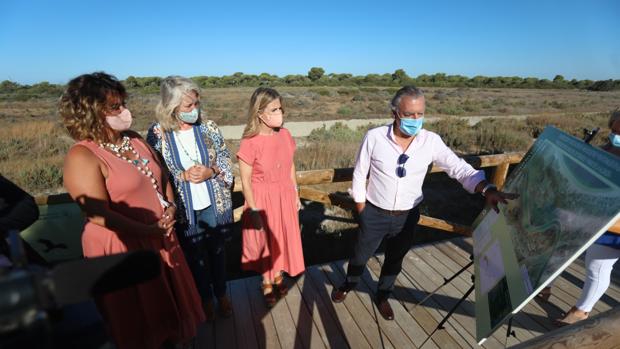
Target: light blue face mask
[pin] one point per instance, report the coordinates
(411, 127)
(189, 117)
(614, 139)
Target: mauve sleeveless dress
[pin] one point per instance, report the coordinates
(165, 308)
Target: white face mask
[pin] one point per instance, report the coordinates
(120, 122)
(189, 117)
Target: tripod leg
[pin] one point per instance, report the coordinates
(440, 325)
(445, 282)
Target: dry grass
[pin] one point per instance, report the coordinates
(227, 106)
(33, 143)
(31, 154)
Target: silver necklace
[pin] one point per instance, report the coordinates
(195, 161)
(139, 163)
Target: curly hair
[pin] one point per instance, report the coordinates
(258, 102)
(82, 105)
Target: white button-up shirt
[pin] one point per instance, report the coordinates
(378, 155)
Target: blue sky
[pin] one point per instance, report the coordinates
(57, 40)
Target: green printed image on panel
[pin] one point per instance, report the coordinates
(569, 196)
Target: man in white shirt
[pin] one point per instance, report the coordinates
(395, 158)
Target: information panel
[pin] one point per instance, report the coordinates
(569, 196)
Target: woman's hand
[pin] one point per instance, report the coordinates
(256, 219)
(165, 225)
(299, 206)
(198, 174)
(169, 214)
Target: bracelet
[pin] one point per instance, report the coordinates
(213, 174)
(255, 209)
(487, 187)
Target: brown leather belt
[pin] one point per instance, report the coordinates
(388, 212)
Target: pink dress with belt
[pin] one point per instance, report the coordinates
(165, 308)
(277, 247)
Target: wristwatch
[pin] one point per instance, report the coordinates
(487, 187)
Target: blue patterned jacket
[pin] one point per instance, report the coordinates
(213, 151)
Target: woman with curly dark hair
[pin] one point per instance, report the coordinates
(123, 190)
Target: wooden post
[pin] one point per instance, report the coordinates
(499, 175)
(600, 332)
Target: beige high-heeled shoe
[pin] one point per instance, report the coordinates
(269, 295)
(278, 282)
(572, 316)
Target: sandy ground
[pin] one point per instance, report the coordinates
(303, 128)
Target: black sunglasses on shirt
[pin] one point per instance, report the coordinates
(400, 170)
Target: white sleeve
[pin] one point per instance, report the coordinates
(456, 167)
(360, 173)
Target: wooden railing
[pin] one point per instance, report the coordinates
(500, 164)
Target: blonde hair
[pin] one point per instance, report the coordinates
(172, 90)
(258, 102)
(83, 105)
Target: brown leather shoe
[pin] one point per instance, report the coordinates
(385, 309)
(207, 306)
(339, 294)
(226, 309)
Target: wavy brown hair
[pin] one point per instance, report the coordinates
(83, 104)
(258, 102)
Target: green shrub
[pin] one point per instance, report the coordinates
(345, 110)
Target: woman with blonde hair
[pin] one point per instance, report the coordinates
(118, 182)
(194, 152)
(271, 235)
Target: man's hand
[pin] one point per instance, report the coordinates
(359, 206)
(493, 197)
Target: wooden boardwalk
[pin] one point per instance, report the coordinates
(307, 318)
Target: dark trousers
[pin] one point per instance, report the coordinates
(375, 225)
(206, 257)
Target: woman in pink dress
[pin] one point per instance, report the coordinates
(119, 184)
(270, 225)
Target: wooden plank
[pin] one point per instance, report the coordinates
(499, 175)
(600, 332)
(447, 297)
(204, 337)
(427, 316)
(333, 175)
(307, 331)
(455, 290)
(354, 335)
(539, 318)
(564, 299)
(364, 319)
(437, 260)
(283, 320)
(264, 326)
(224, 331)
(244, 326)
(542, 312)
(322, 313)
(412, 329)
(366, 290)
